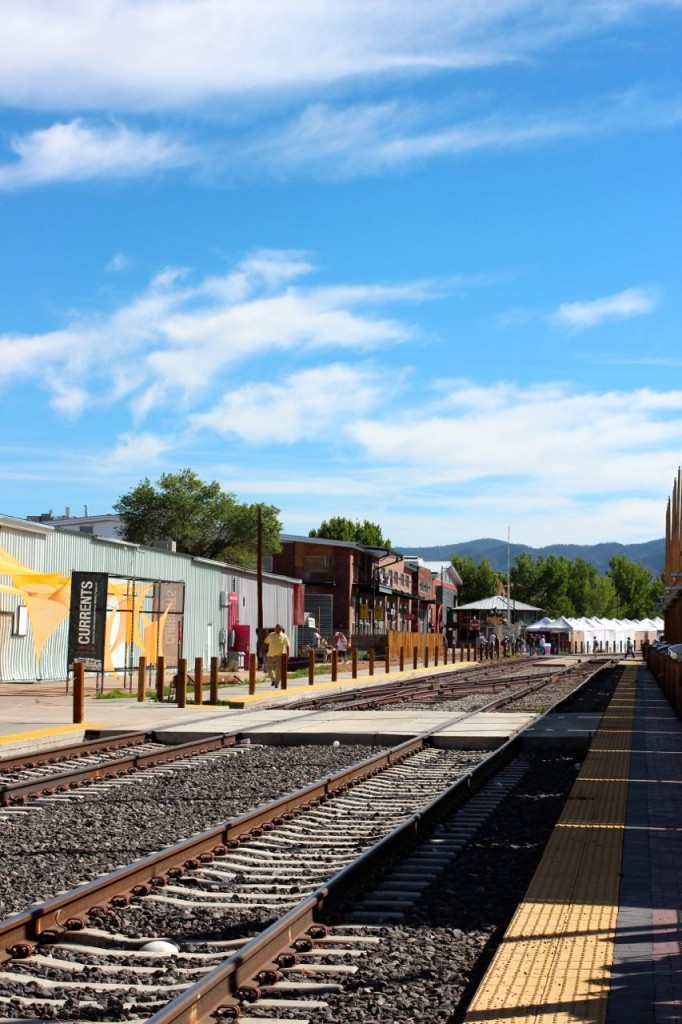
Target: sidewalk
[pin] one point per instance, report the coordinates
(41, 714)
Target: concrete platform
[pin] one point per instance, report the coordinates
(598, 936)
(40, 715)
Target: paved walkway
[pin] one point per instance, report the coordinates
(42, 713)
(598, 936)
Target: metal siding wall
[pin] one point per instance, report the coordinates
(61, 551)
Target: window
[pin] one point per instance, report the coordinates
(315, 563)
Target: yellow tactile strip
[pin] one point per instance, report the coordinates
(553, 966)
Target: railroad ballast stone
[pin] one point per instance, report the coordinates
(62, 844)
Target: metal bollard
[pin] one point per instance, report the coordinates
(78, 692)
(181, 683)
(141, 679)
(214, 680)
(198, 681)
(160, 677)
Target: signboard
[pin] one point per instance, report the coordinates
(87, 619)
(170, 602)
(474, 624)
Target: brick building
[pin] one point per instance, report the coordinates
(366, 592)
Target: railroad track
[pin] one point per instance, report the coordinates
(30, 776)
(442, 686)
(237, 906)
(297, 860)
(57, 772)
(283, 862)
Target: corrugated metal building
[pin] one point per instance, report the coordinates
(36, 562)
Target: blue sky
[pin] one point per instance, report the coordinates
(412, 263)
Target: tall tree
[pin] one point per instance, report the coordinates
(340, 528)
(200, 517)
(523, 577)
(637, 591)
(478, 580)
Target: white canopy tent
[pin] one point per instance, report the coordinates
(609, 633)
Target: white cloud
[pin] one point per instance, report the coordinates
(179, 336)
(77, 152)
(305, 406)
(621, 306)
(117, 263)
(165, 53)
(137, 450)
(565, 442)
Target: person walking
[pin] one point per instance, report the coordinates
(629, 649)
(277, 644)
(341, 644)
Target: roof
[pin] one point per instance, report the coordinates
(497, 603)
(438, 568)
(292, 538)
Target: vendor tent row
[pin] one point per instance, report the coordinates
(607, 632)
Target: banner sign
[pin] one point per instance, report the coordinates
(87, 619)
(169, 608)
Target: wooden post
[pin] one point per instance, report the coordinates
(181, 683)
(435, 656)
(198, 680)
(388, 657)
(214, 680)
(78, 692)
(253, 661)
(311, 668)
(426, 656)
(468, 650)
(335, 665)
(415, 657)
(141, 679)
(401, 659)
(354, 663)
(160, 676)
(445, 654)
(285, 664)
(370, 655)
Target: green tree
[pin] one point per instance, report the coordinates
(523, 577)
(478, 580)
(200, 517)
(637, 591)
(590, 593)
(352, 530)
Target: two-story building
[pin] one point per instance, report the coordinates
(367, 592)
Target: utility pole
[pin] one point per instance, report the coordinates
(509, 617)
(259, 581)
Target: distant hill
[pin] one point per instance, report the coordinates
(650, 554)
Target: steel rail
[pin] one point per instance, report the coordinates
(18, 934)
(61, 782)
(40, 758)
(239, 978)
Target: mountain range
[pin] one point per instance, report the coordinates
(650, 554)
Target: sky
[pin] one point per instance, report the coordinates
(415, 263)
